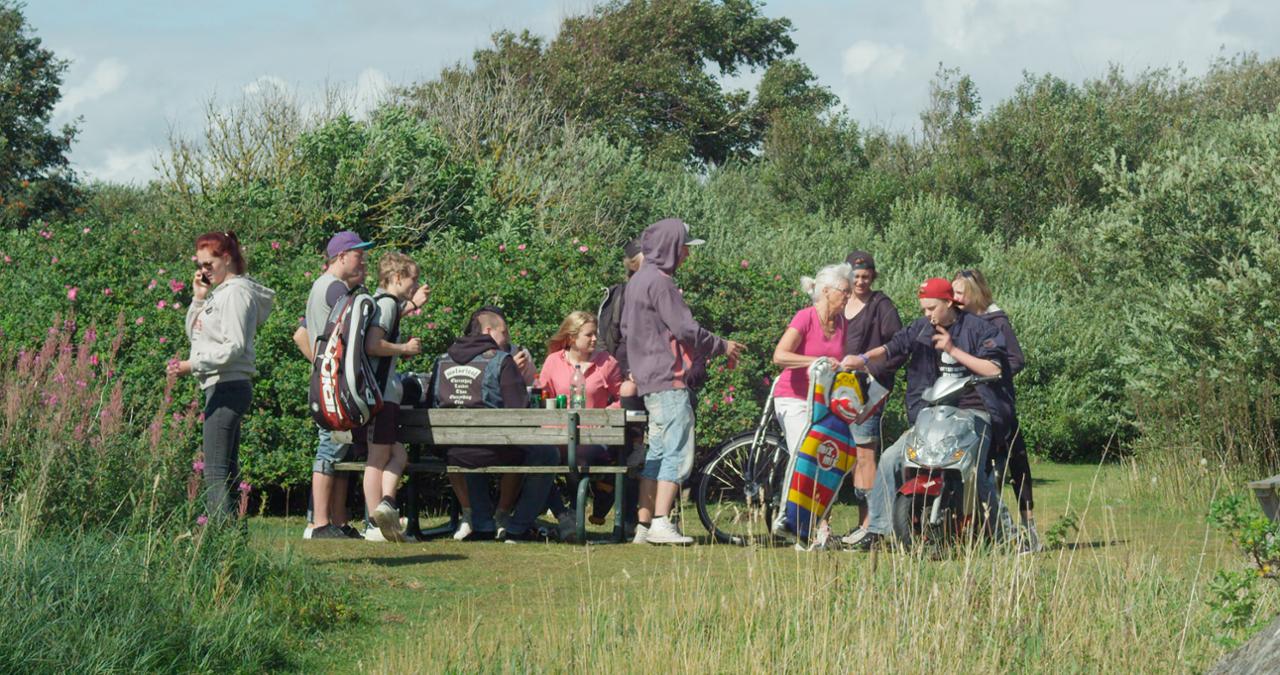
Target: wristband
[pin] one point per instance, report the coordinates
(865, 361)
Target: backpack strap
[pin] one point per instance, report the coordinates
(433, 394)
(491, 384)
(383, 373)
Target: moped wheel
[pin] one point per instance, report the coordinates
(908, 518)
(737, 492)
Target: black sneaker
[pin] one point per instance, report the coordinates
(529, 535)
(866, 543)
(350, 532)
(328, 532)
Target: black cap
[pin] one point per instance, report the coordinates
(632, 248)
(861, 260)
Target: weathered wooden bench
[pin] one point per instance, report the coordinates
(1266, 491)
(428, 433)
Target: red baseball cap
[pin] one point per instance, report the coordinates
(936, 288)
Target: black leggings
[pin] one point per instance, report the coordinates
(1011, 463)
(227, 403)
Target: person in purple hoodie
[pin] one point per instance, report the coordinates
(665, 346)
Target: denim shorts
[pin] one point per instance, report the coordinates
(867, 433)
(670, 456)
(328, 453)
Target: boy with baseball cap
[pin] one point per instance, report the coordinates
(974, 344)
(344, 271)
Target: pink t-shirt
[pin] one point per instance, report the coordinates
(794, 382)
(603, 376)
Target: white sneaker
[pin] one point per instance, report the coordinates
(502, 519)
(779, 529)
(1030, 540)
(568, 526)
(387, 519)
(642, 535)
(372, 533)
(854, 537)
(306, 534)
(464, 530)
(663, 532)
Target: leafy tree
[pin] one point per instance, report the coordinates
(637, 71)
(35, 179)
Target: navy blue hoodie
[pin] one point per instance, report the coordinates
(662, 339)
(971, 334)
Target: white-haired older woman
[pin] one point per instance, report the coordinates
(816, 332)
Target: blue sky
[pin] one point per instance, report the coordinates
(141, 69)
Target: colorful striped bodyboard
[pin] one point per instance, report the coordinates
(827, 454)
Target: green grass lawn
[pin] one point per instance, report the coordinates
(1126, 592)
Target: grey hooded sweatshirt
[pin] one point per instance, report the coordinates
(662, 340)
(222, 327)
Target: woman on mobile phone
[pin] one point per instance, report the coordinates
(223, 318)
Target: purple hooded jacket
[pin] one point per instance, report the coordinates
(663, 341)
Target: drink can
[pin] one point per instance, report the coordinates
(562, 401)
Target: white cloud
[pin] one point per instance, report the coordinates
(371, 89)
(869, 58)
(266, 84)
(106, 77)
(125, 166)
(358, 100)
(983, 25)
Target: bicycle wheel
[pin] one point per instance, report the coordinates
(737, 493)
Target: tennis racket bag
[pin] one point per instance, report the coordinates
(344, 390)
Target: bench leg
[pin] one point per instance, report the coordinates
(413, 529)
(619, 507)
(582, 508)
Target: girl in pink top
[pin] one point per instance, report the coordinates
(816, 332)
(575, 345)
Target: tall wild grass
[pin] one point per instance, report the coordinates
(1207, 439)
(105, 564)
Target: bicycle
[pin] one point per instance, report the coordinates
(739, 491)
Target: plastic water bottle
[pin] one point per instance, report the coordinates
(578, 389)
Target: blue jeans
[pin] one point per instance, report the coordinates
(533, 493)
(670, 456)
(328, 453)
(889, 478)
(867, 434)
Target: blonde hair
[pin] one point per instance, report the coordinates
(633, 263)
(569, 330)
(395, 264)
(826, 278)
(977, 294)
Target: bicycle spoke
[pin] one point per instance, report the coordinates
(732, 499)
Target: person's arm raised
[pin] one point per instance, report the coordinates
(376, 344)
(979, 366)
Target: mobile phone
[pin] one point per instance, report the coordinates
(204, 276)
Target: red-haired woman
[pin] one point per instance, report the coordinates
(222, 320)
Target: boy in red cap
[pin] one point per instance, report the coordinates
(974, 344)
